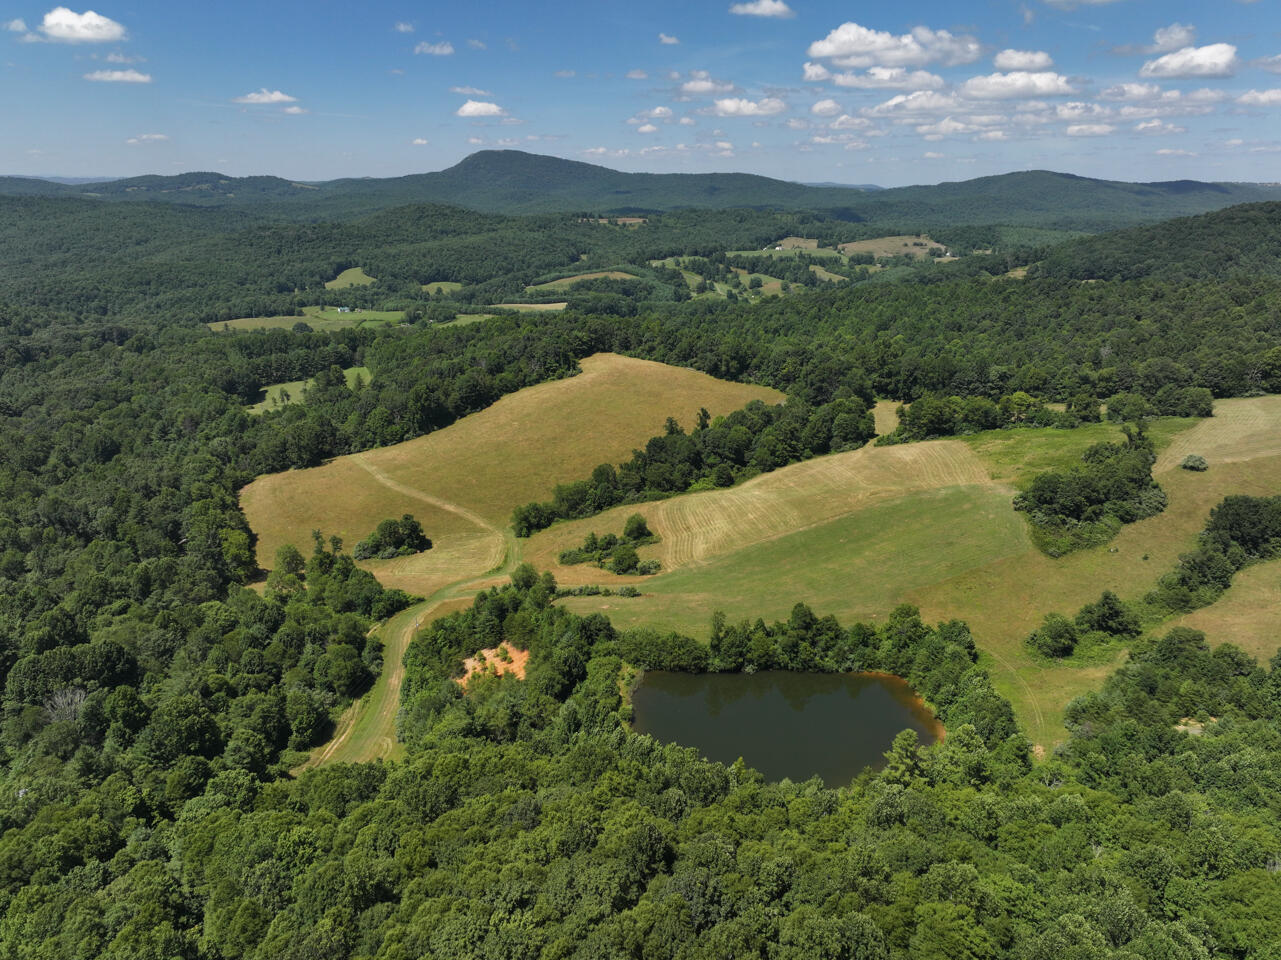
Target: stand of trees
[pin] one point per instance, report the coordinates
(393, 538)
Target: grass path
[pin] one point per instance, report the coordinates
(367, 729)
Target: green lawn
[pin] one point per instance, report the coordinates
(351, 277)
(278, 394)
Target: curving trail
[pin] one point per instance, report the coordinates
(367, 729)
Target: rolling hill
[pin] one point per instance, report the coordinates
(510, 181)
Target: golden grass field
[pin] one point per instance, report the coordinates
(531, 307)
(895, 246)
(566, 282)
(521, 447)
(351, 277)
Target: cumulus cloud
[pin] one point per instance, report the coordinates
(919, 103)
(1215, 60)
(687, 121)
(889, 78)
(296, 111)
(853, 45)
(763, 8)
(265, 96)
(701, 84)
(418, 142)
(16, 26)
(118, 76)
(932, 155)
(403, 27)
(992, 135)
(665, 38)
(477, 44)
(1158, 128)
(1270, 64)
(647, 128)
(637, 75)
(480, 108)
(442, 49)
(470, 91)
(1134, 91)
(825, 108)
(565, 74)
(1017, 84)
(1022, 60)
(1077, 110)
(1174, 152)
(846, 122)
(65, 26)
(1260, 98)
(1174, 37)
(738, 107)
(1090, 129)
(148, 138)
(121, 58)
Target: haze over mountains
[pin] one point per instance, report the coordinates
(513, 182)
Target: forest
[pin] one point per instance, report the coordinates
(161, 693)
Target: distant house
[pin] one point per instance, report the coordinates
(344, 309)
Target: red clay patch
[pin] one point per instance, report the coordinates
(490, 661)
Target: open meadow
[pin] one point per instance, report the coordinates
(351, 277)
(279, 394)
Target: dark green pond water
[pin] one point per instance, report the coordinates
(784, 724)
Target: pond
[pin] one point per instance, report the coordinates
(794, 725)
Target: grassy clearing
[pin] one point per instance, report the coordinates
(321, 319)
(1246, 615)
(463, 319)
(788, 253)
(521, 446)
(351, 277)
(962, 550)
(885, 414)
(826, 274)
(896, 246)
(441, 288)
(532, 307)
(564, 283)
(278, 394)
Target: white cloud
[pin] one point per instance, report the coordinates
(121, 58)
(1270, 64)
(403, 27)
(1172, 152)
(118, 76)
(480, 108)
(687, 121)
(16, 26)
(1018, 84)
(1215, 60)
(1174, 37)
(1158, 128)
(1260, 98)
(701, 83)
(296, 111)
(637, 75)
(933, 155)
(65, 26)
(265, 96)
(1081, 111)
(1022, 60)
(846, 122)
(738, 107)
(825, 108)
(477, 44)
(476, 141)
(418, 142)
(815, 73)
(565, 74)
(852, 45)
(992, 135)
(1134, 91)
(647, 128)
(442, 49)
(947, 127)
(1090, 129)
(470, 91)
(1072, 3)
(148, 138)
(664, 38)
(763, 8)
(655, 113)
(889, 78)
(920, 103)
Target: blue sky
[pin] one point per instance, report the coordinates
(798, 89)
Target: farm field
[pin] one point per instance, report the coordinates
(522, 445)
(896, 246)
(318, 318)
(278, 394)
(351, 277)
(564, 283)
(961, 551)
(439, 288)
(1247, 615)
(532, 307)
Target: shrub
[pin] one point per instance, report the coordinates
(1194, 461)
(1057, 636)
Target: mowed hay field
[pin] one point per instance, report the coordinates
(351, 277)
(566, 282)
(894, 246)
(463, 482)
(940, 533)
